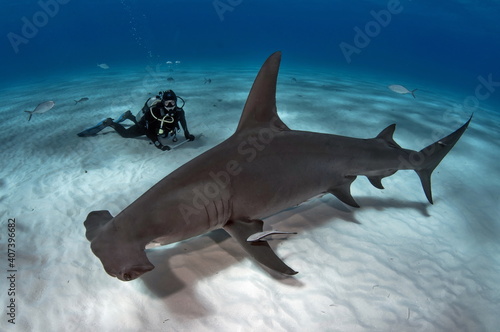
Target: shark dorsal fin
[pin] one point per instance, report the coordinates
(260, 107)
(387, 134)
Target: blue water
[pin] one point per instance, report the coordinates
(447, 43)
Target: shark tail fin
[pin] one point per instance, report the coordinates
(95, 220)
(433, 154)
(413, 92)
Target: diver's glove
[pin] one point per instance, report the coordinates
(189, 137)
(161, 146)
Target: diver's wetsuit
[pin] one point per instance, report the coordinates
(133, 131)
(155, 122)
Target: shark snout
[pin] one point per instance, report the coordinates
(133, 272)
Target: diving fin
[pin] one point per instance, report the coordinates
(260, 250)
(92, 131)
(126, 116)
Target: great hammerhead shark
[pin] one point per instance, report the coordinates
(263, 168)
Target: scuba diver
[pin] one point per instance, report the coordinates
(159, 117)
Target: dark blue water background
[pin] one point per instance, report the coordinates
(446, 43)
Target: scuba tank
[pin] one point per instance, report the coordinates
(147, 106)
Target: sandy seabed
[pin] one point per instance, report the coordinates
(396, 264)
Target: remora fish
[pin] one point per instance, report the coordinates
(263, 168)
(401, 89)
(41, 108)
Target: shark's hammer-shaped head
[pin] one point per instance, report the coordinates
(121, 260)
(120, 256)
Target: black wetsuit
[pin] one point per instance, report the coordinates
(155, 123)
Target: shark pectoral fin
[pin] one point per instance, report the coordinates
(343, 192)
(95, 220)
(259, 250)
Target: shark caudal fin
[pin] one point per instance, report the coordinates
(433, 154)
(260, 107)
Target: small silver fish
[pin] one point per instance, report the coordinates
(170, 79)
(103, 66)
(81, 100)
(41, 108)
(401, 89)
